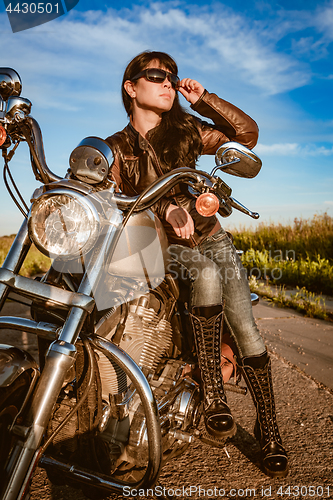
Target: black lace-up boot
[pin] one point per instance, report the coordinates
(207, 326)
(257, 374)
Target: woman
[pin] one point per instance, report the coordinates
(162, 136)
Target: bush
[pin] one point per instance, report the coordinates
(315, 275)
(305, 238)
(35, 262)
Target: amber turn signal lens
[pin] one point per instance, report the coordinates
(207, 204)
(3, 135)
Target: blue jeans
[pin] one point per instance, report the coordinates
(216, 276)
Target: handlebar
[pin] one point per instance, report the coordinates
(160, 187)
(33, 135)
(157, 190)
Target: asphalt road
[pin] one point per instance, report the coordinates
(306, 343)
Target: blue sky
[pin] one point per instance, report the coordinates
(272, 59)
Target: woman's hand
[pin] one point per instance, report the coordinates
(190, 89)
(180, 220)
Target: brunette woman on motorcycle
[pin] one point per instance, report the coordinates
(161, 136)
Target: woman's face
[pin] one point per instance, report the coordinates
(157, 97)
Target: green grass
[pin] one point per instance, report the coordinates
(34, 263)
(303, 301)
(298, 254)
(315, 275)
(304, 238)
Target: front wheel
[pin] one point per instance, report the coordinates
(11, 400)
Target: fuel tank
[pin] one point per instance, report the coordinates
(141, 251)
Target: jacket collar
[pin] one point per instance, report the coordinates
(137, 138)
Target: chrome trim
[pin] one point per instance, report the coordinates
(90, 161)
(89, 208)
(165, 183)
(236, 159)
(36, 289)
(13, 362)
(140, 383)
(10, 83)
(236, 204)
(41, 164)
(100, 145)
(254, 299)
(62, 347)
(56, 366)
(17, 107)
(45, 330)
(2, 108)
(94, 272)
(15, 257)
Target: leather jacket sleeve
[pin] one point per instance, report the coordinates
(230, 123)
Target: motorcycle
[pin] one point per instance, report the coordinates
(113, 396)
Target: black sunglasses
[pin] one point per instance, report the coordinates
(158, 75)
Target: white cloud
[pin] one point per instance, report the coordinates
(290, 149)
(324, 20)
(309, 30)
(277, 149)
(215, 40)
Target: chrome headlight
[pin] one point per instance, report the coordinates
(63, 223)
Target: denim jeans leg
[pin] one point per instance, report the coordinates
(202, 274)
(236, 293)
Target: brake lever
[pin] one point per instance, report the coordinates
(235, 204)
(223, 191)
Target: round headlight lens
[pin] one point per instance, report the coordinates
(63, 224)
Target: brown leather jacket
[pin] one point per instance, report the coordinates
(136, 164)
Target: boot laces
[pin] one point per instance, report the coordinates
(209, 347)
(262, 386)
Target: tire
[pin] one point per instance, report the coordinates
(11, 399)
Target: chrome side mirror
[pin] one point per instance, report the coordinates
(10, 83)
(17, 107)
(236, 159)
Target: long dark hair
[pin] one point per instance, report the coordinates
(177, 140)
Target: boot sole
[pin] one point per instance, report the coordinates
(274, 474)
(212, 440)
(222, 435)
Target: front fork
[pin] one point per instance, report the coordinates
(25, 455)
(59, 359)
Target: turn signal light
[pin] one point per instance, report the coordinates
(3, 135)
(207, 204)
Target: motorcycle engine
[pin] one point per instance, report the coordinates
(147, 338)
(117, 421)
